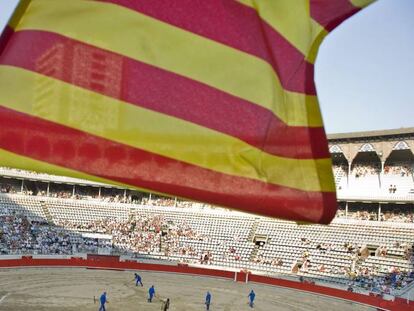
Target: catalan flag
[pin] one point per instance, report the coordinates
(211, 100)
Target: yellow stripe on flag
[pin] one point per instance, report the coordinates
(293, 21)
(10, 159)
(115, 120)
(361, 3)
(159, 44)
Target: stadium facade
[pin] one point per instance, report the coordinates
(374, 170)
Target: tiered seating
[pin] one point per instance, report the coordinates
(83, 212)
(288, 241)
(228, 236)
(22, 205)
(385, 264)
(221, 233)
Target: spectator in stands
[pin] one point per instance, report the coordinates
(392, 189)
(6, 188)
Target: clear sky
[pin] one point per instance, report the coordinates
(364, 70)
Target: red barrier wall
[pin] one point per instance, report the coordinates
(127, 265)
(397, 305)
(108, 258)
(28, 261)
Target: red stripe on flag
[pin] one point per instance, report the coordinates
(331, 13)
(237, 26)
(163, 91)
(67, 147)
(5, 37)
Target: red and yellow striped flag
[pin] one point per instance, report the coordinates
(211, 100)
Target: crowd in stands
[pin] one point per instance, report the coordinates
(392, 215)
(260, 258)
(376, 280)
(19, 235)
(397, 216)
(362, 215)
(401, 169)
(87, 194)
(340, 168)
(158, 201)
(7, 188)
(365, 169)
(143, 235)
(361, 170)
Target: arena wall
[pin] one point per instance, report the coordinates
(80, 262)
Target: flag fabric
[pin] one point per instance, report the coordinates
(212, 101)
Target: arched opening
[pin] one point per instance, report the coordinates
(366, 164)
(364, 179)
(340, 170)
(398, 173)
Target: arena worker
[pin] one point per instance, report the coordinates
(251, 296)
(151, 293)
(138, 279)
(208, 301)
(103, 301)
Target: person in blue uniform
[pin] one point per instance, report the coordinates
(151, 293)
(251, 296)
(138, 280)
(208, 301)
(103, 301)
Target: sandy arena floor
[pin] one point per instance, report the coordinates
(46, 289)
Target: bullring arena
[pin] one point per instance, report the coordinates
(74, 289)
(75, 283)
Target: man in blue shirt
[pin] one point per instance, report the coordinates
(251, 296)
(138, 280)
(151, 293)
(103, 300)
(208, 300)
